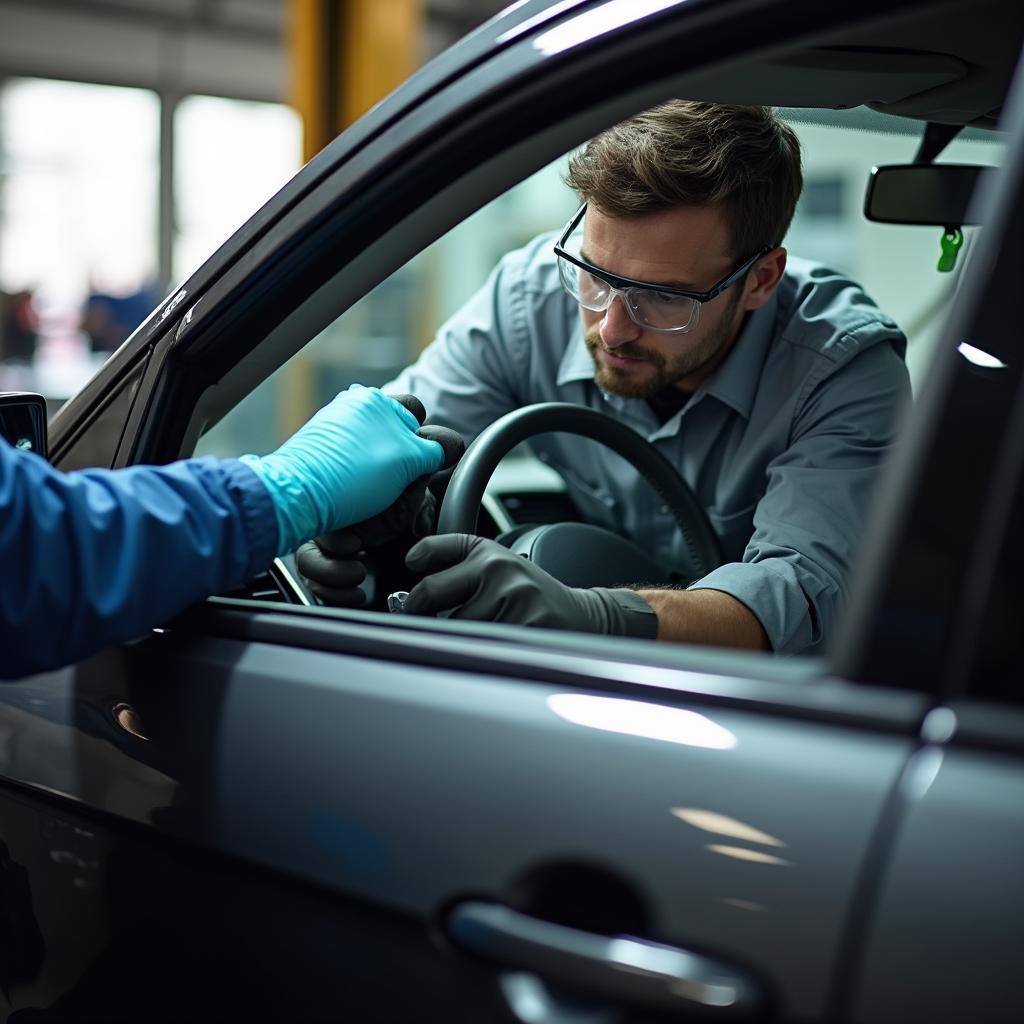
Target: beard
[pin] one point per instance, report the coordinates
(655, 371)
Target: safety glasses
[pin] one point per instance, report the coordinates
(653, 306)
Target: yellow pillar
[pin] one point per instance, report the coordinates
(345, 56)
(381, 44)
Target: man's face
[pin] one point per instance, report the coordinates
(684, 247)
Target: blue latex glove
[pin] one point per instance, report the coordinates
(349, 462)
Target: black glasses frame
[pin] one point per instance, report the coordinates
(627, 282)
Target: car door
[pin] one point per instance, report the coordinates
(277, 810)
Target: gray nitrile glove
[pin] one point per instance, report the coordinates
(479, 579)
(349, 462)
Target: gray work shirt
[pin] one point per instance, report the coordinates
(782, 445)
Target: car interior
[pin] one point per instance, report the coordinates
(919, 97)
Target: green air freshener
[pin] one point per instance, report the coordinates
(951, 241)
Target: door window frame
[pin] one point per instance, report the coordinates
(330, 237)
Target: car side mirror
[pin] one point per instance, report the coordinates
(23, 421)
(938, 195)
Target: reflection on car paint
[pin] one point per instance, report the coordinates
(979, 357)
(366, 856)
(921, 771)
(639, 718)
(734, 901)
(598, 21)
(723, 825)
(75, 848)
(742, 853)
(128, 719)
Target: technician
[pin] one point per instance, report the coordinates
(773, 385)
(96, 557)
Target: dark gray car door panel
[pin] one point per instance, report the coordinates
(413, 788)
(104, 922)
(947, 941)
(471, 791)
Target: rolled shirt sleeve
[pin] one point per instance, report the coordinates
(808, 524)
(96, 557)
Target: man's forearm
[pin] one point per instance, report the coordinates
(706, 617)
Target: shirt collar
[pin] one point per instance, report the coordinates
(577, 362)
(735, 382)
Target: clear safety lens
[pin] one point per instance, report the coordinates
(647, 307)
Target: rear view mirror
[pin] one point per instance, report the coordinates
(23, 421)
(938, 195)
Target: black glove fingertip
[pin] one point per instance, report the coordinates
(339, 544)
(451, 442)
(414, 405)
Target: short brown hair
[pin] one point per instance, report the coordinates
(684, 153)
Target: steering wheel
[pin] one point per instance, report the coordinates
(581, 554)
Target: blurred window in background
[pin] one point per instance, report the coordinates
(80, 212)
(230, 157)
(79, 188)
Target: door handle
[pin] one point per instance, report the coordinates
(622, 967)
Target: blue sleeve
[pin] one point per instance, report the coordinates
(97, 557)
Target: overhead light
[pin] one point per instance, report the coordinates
(598, 21)
(979, 358)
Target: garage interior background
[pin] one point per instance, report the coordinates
(135, 135)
